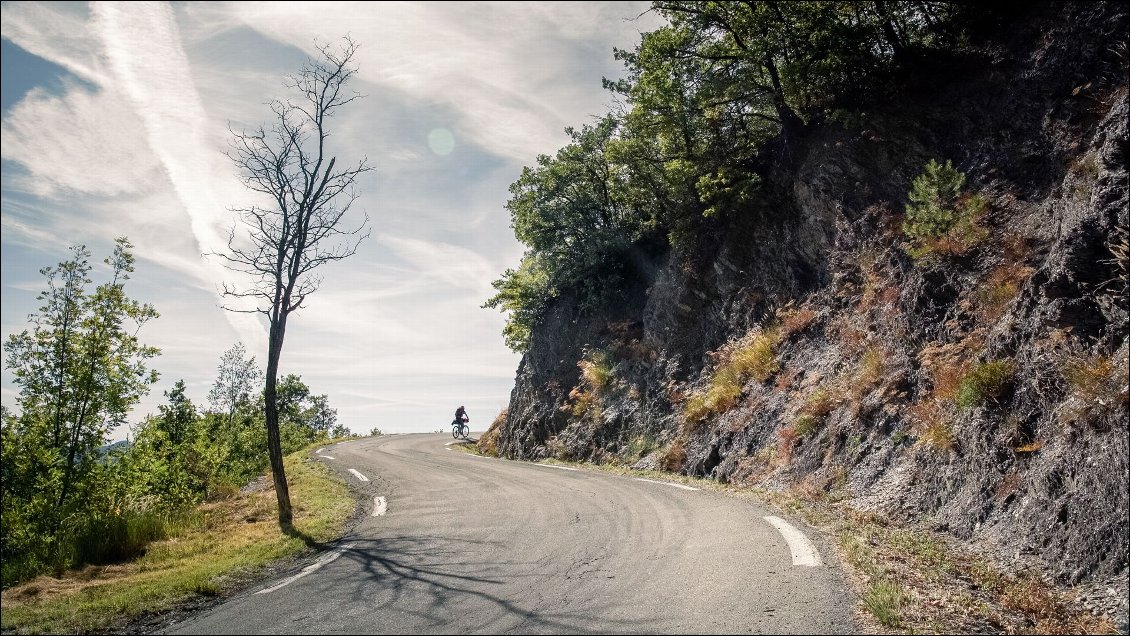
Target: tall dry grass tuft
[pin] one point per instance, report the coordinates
(488, 443)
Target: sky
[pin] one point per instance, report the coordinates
(116, 117)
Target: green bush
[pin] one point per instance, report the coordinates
(984, 382)
(933, 208)
(941, 217)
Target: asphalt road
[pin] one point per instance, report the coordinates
(454, 543)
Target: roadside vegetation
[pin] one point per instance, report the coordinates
(208, 551)
(80, 511)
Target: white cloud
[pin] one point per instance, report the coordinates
(455, 266)
(54, 32)
(88, 141)
(511, 70)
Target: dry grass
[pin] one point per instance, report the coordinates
(674, 456)
(786, 440)
(948, 365)
(921, 582)
(792, 321)
(1091, 377)
(1098, 386)
(932, 426)
(999, 289)
(752, 357)
(596, 376)
(488, 442)
(872, 364)
(851, 338)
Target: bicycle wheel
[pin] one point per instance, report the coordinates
(455, 431)
(464, 430)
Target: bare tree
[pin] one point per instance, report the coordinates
(303, 227)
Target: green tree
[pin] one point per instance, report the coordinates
(236, 381)
(79, 370)
(934, 201)
(178, 415)
(321, 417)
(578, 216)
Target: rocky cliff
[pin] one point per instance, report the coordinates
(977, 384)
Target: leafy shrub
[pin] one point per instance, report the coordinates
(934, 194)
(985, 382)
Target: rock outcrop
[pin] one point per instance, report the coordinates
(980, 388)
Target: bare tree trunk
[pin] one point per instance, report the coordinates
(274, 444)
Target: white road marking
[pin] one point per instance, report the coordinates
(666, 483)
(319, 450)
(327, 559)
(358, 475)
(380, 506)
(326, 457)
(804, 553)
(554, 466)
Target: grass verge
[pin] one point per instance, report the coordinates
(227, 542)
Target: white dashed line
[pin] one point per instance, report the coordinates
(358, 475)
(326, 457)
(553, 466)
(804, 553)
(319, 450)
(666, 483)
(327, 559)
(380, 506)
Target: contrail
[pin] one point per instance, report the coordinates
(146, 58)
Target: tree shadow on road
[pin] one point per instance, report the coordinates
(440, 581)
(290, 531)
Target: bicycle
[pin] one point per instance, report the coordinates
(460, 430)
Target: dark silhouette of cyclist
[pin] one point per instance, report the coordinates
(461, 416)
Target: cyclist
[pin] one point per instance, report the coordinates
(460, 416)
